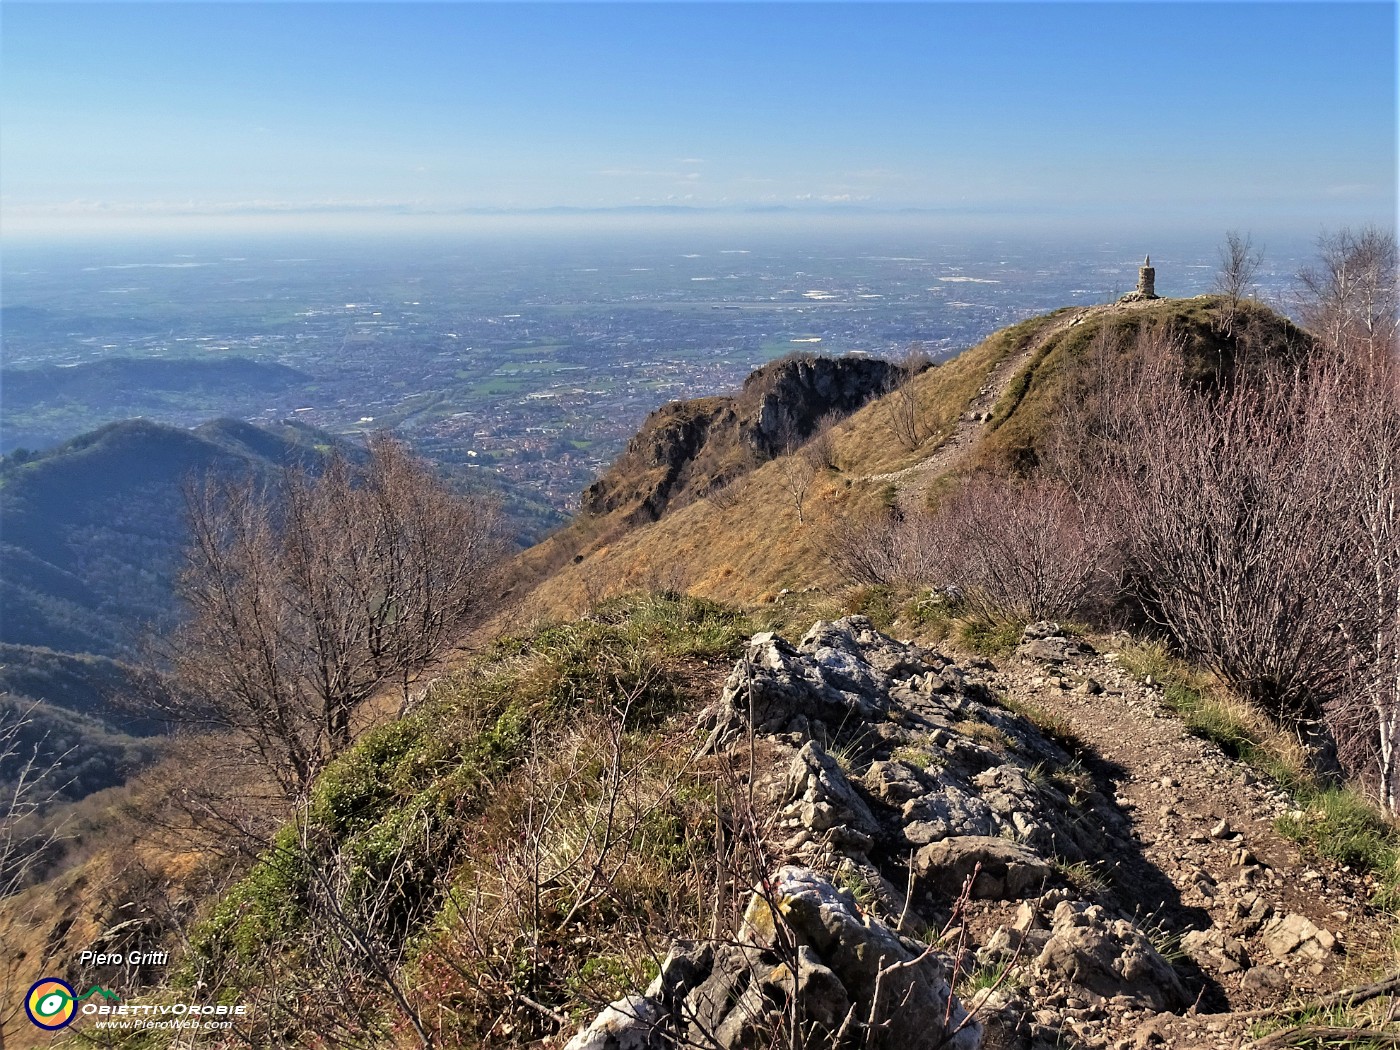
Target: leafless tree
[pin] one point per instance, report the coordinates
(1239, 263)
(305, 602)
(901, 402)
(797, 474)
(1361, 397)
(1352, 303)
(29, 782)
(1350, 295)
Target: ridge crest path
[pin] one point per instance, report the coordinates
(911, 481)
(1205, 822)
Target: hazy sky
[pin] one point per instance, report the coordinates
(170, 116)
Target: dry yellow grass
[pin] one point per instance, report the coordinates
(747, 546)
(864, 444)
(1023, 415)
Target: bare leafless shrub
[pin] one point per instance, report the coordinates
(1259, 513)
(884, 548)
(1019, 550)
(903, 413)
(1026, 550)
(597, 583)
(671, 579)
(305, 603)
(30, 782)
(820, 449)
(865, 549)
(1086, 416)
(900, 403)
(1228, 501)
(727, 493)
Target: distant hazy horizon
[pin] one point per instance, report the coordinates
(976, 119)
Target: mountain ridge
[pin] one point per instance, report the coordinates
(713, 544)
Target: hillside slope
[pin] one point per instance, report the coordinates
(90, 538)
(91, 529)
(989, 408)
(1129, 879)
(587, 811)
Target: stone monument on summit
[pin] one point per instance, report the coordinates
(1146, 286)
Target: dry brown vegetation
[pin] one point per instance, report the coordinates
(513, 849)
(305, 603)
(1236, 484)
(745, 546)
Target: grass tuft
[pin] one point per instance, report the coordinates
(1339, 824)
(990, 638)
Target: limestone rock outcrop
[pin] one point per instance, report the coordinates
(896, 777)
(687, 448)
(805, 951)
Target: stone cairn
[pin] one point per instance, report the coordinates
(1147, 284)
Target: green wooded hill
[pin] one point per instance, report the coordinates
(90, 536)
(89, 531)
(44, 405)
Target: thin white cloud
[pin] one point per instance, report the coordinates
(1350, 189)
(156, 208)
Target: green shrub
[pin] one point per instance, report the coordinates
(990, 637)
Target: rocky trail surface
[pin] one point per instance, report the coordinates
(1263, 924)
(943, 874)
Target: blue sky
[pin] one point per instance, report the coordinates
(126, 117)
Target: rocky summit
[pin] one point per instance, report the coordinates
(689, 448)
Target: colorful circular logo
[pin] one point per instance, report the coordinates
(50, 1004)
